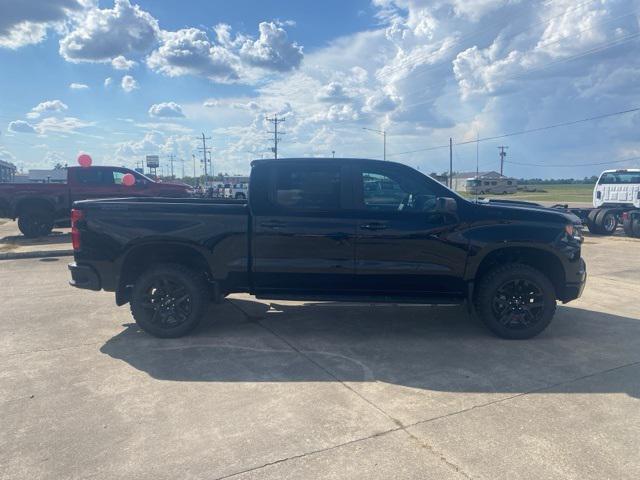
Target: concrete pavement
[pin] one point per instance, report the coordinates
(285, 390)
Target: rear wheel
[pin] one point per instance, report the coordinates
(591, 222)
(607, 221)
(516, 301)
(632, 225)
(168, 301)
(35, 222)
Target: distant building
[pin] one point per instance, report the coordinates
(58, 175)
(7, 172)
(460, 178)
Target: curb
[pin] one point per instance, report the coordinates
(36, 254)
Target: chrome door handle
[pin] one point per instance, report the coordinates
(272, 224)
(374, 226)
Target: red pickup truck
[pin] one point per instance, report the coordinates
(40, 206)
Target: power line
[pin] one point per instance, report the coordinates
(522, 132)
(626, 160)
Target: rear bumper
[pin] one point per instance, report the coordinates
(83, 276)
(573, 289)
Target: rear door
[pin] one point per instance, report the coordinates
(403, 246)
(303, 230)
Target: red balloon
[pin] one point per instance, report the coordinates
(84, 160)
(128, 180)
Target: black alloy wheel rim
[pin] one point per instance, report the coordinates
(37, 224)
(169, 301)
(518, 304)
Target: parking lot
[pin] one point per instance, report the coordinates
(286, 390)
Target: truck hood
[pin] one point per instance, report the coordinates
(526, 211)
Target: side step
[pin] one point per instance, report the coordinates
(365, 300)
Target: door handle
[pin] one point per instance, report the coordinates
(272, 224)
(374, 226)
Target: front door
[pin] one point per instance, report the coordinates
(404, 247)
(303, 240)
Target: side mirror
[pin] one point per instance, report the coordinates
(446, 205)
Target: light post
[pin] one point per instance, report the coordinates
(384, 140)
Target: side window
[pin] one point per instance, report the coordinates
(314, 187)
(396, 191)
(509, 182)
(494, 183)
(88, 176)
(117, 177)
(486, 184)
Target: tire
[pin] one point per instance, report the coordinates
(591, 222)
(185, 296)
(518, 321)
(607, 221)
(627, 226)
(634, 226)
(35, 222)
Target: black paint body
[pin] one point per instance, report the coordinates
(346, 252)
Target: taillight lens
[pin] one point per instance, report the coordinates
(76, 216)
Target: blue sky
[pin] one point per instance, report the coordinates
(124, 79)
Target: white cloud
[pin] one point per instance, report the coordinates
(78, 86)
(105, 34)
(108, 81)
(272, 50)
(6, 155)
(166, 109)
(334, 92)
(121, 63)
(129, 83)
(47, 107)
(20, 126)
(26, 22)
(61, 125)
(190, 52)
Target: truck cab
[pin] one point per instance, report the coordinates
(617, 188)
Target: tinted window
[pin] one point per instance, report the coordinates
(308, 187)
(396, 191)
(619, 177)
(90, 176)
(117, 178)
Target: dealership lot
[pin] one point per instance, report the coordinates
(285, 390)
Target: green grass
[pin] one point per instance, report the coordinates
(552, 193)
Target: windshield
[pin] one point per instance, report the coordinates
(611, 178)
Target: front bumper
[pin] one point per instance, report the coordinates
(573, 289)
(83, 276)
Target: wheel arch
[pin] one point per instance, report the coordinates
(543, 260)
(140, 257)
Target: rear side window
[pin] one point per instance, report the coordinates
(98, 176)
(610, 178)
(312, 187)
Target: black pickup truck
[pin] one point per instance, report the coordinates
(330, 229)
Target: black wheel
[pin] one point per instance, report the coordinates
(168, 301)
(35, 222)
(516, 301)
(632, 226)
(591, 222)
(627, 225)
(607, 221)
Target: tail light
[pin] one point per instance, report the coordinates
(76, 216)
(598, 194)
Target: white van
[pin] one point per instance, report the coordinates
(618, 188)
(483, 186)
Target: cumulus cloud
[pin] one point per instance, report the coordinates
(166, 109)
(61, 125)
(26, 22)
(49, 106)
(381, 102)
(78, 86)
(105, 34)
(227, 58)
(20, 126)
(272, 50)
(190, 52)
(334, 92)
(129, 84)
(121, 63)
(108, 81)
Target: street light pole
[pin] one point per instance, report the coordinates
(384, 140)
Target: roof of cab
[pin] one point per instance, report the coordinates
(319, 159)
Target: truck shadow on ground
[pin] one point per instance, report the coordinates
(438, 349)
(56, 237)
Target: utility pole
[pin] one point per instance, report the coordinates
(204, 155)
(333, 154)
(193, 156)
(502, 155)
(384, 140)
(451, 163)
(171, 163)
(276, 139)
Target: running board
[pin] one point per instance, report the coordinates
(357, 300)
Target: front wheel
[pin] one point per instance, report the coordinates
(168, 301)
(515, 301)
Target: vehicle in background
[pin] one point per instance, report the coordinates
(330, 229)
(482, 186)
(616, 201)
(38, 207)
(239, 191)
